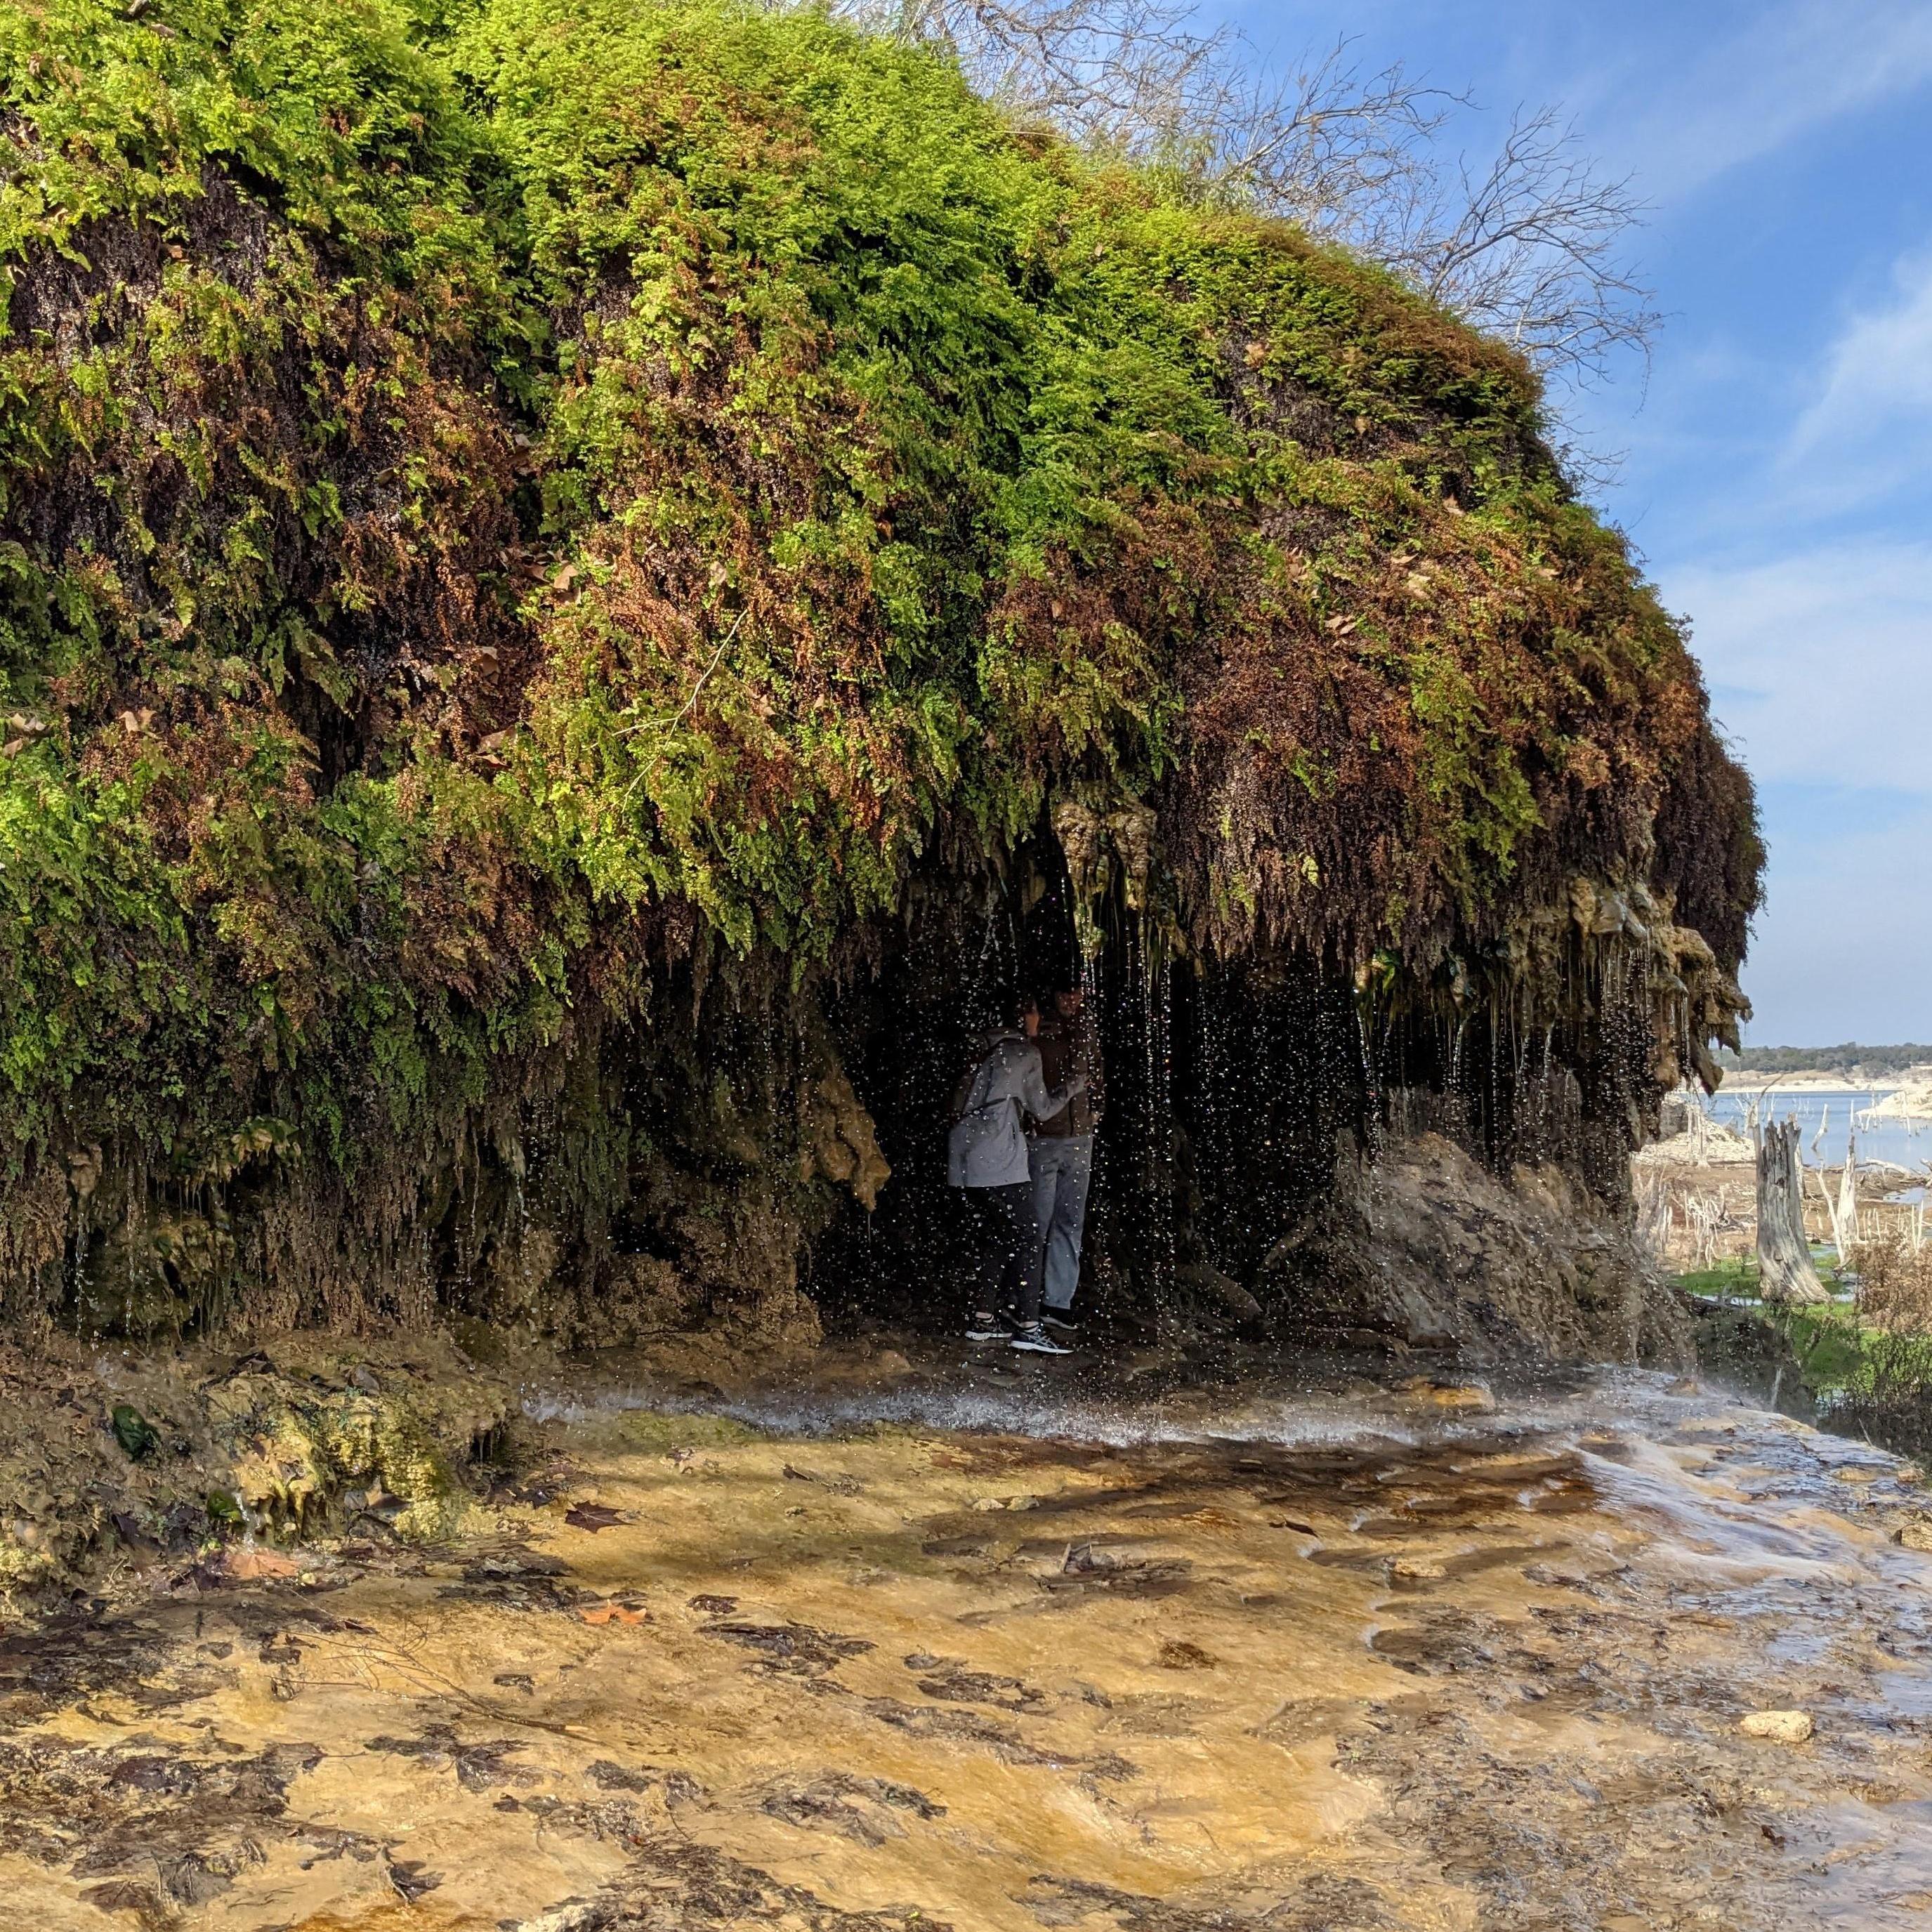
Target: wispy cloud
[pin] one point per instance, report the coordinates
(1789, 68)
(1869, 429)
(1819, 660)
(1837, 950)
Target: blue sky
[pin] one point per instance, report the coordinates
(1777, 462)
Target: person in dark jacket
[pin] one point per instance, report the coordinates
(986, 1154)
(1062, 1149)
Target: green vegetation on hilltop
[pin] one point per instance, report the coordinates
(1869, 1062)
(503, 504)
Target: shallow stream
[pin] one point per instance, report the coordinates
(890, 1652)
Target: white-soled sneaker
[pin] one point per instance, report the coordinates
(1057, 1318)
(985, 1327)
(1036, 1341)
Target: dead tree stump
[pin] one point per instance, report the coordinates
(1785, 1272)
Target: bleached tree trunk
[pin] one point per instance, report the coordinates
(1845, 1218)
(1785, 1272)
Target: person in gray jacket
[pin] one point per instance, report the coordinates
(986, 1154)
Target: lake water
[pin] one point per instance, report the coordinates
(1826, 1116)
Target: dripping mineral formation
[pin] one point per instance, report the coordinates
(577, 581)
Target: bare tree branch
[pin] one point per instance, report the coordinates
(1532, 246)
(1534, 253)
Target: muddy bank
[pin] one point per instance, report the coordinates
(1333, 1656)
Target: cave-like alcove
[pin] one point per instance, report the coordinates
(1227, 1088)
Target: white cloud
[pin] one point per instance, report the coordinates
(1795, 67)
(1870, 427)
(1820, 661)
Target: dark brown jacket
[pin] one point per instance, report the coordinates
(1068, 1047)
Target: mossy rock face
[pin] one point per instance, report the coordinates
(656, 1431)
(297, 1446)
(275, 1445)
(508, 524)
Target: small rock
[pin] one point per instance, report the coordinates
(574, 1916)
(1781, 1727)
(1177, 1654)
(1914, 1535)
(1466, 1397)
(1414, 1570)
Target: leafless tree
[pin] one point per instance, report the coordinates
(1104, 71)
(1533, 248)
(1530, 244)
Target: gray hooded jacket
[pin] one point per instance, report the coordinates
(987, 1147)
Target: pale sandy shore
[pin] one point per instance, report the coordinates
(1737, 1081)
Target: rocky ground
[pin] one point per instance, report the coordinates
(913, 1643)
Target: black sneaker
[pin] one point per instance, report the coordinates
(985, 1327)
(1036, 1341)
(1057, 1317)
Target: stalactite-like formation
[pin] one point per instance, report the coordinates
(578, 580)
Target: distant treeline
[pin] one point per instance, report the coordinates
(1849, 1058)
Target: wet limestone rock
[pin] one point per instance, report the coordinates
(271, 1444)
(1778, 1727)
(1427, 1246)
(837, 1141)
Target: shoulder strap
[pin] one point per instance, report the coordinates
(963, 1102)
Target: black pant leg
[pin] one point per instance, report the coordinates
(1024, 1270)
(996, 1246)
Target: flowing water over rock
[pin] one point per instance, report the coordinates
(906, 1651)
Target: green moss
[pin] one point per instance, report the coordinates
(661, 1434)
(299, 1440)
(495, 497)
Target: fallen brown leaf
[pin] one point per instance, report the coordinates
(593, 1516)
(613, 1613)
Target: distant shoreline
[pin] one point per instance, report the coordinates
(1750, 1080)
(1849, 1060)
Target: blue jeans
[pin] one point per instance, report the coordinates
(1063, 1166)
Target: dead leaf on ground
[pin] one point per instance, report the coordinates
(1177, 1654)
(594, 1516)
(251, 1566)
